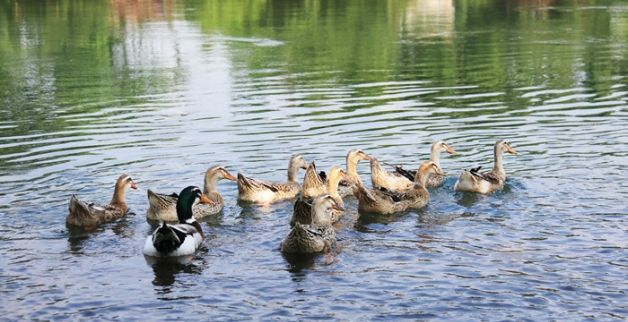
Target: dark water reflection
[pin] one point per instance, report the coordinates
(163, 90)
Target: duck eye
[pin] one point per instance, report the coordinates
(129, 179)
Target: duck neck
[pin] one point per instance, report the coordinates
(119, 199)
(184, 211)
(332, 186)
(421, 178)
(292, 172)
(210, 184)
(435, 155)
(352, 170)
(498, 157)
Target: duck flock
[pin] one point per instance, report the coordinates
(318, 200)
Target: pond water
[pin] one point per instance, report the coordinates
(162, 90)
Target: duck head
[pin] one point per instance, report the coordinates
(354, 156)
(322, 207)
(297, 161)
(425, 169)
(504, 146)
(442, 146)
(213, 175)
(187, 198)
(216, 173)
(125, 181)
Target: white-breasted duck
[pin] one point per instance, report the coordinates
(183, 238)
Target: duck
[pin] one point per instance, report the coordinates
(402, 179)
(263, 192)
(162, 207)
(385, 202)
(183, 238)
(313, 182)
(84, 214)
(352, 178)
(303, 205)
(317, 237)
(486, 182)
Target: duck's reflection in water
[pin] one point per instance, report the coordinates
(300, 264)
(167, 268)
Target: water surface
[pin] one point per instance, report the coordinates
(162, 90)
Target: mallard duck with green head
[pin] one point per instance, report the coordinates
(183, 238)
(163, 207)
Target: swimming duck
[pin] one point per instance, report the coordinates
(262, 192)
(352, 177)
(318, 236)
(382, 201)
(313, 183)
(487, 182)
(433, 181)
(85, 214)
(183, 238)
(163, 207)
(303, 205)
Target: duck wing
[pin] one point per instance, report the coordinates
(301, 212)
(168, 238)
(254, 184)
(396, 197)
(408, 174)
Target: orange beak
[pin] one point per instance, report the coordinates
(133, 186)
(229, 176)
(451, 150)
(205, 200)
(512, 151)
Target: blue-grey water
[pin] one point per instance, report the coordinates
(162, 90)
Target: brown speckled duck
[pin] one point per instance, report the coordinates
(303, 204)
(317, 237)
(84, 214)
(486, 182)
(264, 192)
(383, 201)
(163, 207)
(403, 179)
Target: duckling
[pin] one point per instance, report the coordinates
(262, 192)
(383, 201)
(85, 214)
(303, 204)
(487, 182)
(317, 237)
(163, 207)
(434, 180)
(181, 239)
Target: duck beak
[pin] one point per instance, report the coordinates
(133, 186)
(205, 200)
(512, 151)
(229, 176)
(451, 150)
